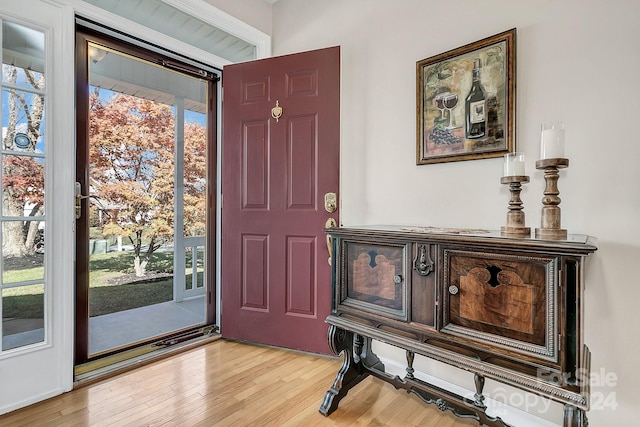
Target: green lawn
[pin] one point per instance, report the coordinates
(106, 294)
(109, 299)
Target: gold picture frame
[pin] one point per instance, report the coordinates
(466, 101)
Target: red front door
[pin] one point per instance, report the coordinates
(276, 170)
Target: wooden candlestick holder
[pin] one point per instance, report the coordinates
(515, 216)
(550, 224)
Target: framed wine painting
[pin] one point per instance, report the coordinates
(466, 101)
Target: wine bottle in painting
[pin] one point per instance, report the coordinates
(475, 106)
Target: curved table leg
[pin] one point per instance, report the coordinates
(575, 417)
(351, 372)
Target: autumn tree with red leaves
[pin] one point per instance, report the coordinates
(22, 174)
(132, 161)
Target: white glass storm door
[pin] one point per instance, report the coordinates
(37, 243)
(142, 195)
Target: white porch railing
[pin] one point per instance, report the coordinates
(181, 288)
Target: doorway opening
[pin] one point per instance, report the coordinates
(145, 199)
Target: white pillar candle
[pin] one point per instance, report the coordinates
(552, 141)
(514, 164)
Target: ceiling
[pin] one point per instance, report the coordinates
(124, 74)
(155, 14)
(25, 48)
(22, 46)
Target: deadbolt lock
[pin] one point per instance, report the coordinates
(330, 202)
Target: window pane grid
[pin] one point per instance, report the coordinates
(35, 91)
(6, 285)
(23, 153)
(5, 218)
(23, 288)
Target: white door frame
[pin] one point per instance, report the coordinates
(38, 371)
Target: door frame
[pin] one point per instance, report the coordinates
(51, 361)
(82, 322)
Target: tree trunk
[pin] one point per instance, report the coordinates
(140, 266)
(12, 241)
(13, 244)
(32, 231)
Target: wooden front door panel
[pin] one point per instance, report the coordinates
(502, 299)
(276, 171)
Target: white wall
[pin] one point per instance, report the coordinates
(256, 13)
(577, 61)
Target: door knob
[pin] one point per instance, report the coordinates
(330, 202)
(79, 198)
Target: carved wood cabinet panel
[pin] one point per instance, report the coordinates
(506, 309)
(504, 302)
(375, 278)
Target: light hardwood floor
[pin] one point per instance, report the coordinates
(227, 383)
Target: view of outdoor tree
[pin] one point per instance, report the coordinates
(132, 162)
(22, 175)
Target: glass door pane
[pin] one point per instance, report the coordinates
(147, 193)
(22, 288)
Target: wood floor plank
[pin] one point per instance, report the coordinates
(226, 383)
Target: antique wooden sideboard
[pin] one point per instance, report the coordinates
(504, 309)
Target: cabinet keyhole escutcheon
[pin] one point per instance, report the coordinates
(423, 263)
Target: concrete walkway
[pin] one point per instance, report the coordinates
(122, 328)
(129, 326)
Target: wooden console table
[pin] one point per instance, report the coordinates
(505, 309)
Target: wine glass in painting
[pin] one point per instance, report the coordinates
(439, 102)
(450, 100)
